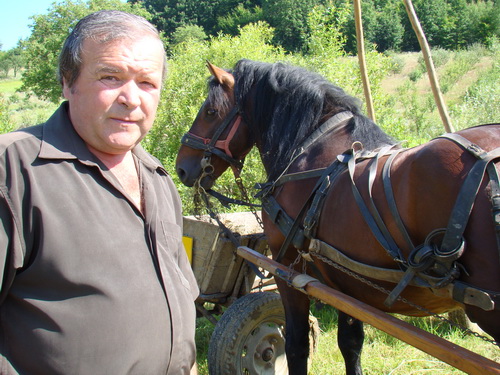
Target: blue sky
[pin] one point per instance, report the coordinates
(14, 19)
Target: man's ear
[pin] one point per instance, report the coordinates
(65, 88)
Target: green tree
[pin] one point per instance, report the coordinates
(241, 16)
(213, 16)
(4, 63)
(289, 19)
(48, 32)
(483, 21)
(388, 29)
(188, 32)
(16, 59)
(326, 23)
(435, 22)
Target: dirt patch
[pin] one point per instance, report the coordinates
(391, 83)
(468, 79)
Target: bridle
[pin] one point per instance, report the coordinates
(215, 146)
(220, 148)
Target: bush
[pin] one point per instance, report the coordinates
(188, 33)
(6, 125)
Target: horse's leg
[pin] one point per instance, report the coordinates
(296, 306)
(350, 339)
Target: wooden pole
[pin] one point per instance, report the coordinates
(361, 58)
(443, 350)
(422, 40)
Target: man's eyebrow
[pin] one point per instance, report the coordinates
(108, 69)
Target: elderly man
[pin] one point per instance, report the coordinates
(94, 276)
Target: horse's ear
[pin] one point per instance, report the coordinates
(224, 78)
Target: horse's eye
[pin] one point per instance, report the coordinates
(211, 111)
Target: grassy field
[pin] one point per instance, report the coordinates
(9, 86)
(18, 109)
(469, 81)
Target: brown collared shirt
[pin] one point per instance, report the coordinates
(88, 283)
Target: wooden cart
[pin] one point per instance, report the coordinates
(249, 336)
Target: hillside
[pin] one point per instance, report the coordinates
(467, 81)
(407, 113)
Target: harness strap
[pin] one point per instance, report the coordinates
(314, 212)
(224, 144)
(372, 217)
(320, 132)
(226, 201)
(467, 194)
(459, 291)
(297, 176)
(389, 193)
(323, 129)
(293, 233)
(196, 142)
(495, 200)
(287, 225)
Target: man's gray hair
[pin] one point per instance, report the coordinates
(102, 26)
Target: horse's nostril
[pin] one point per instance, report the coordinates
(181, 173)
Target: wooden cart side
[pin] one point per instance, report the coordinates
(222, 275)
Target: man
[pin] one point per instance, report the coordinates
(94, 278)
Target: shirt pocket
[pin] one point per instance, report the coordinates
(170, 250)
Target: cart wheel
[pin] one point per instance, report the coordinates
(249, 338)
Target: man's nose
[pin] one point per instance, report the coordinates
(130, 94)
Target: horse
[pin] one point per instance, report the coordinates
(335, 179)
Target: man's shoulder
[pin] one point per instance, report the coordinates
(26, 136)
(148, 159)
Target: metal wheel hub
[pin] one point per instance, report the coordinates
(265, 350)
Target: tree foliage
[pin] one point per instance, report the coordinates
(11, 60)
(448, 24)
(231, 23)
(48, 32)
(187, 33)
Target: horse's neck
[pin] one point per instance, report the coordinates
(318, 154)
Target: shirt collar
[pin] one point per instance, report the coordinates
(61, 141)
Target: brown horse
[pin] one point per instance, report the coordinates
(423, 213)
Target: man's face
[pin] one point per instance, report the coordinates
(113, 103)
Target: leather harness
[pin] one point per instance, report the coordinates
(431, 265)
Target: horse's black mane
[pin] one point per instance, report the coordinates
(289, 103)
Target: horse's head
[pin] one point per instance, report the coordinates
(218, 138)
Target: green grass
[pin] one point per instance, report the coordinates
(17, 110)
(9, 86)
(382, 353)
(204, 331)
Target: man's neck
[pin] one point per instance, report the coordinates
(124, 169)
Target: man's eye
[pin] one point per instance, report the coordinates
(109, 78)
(148, 83)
